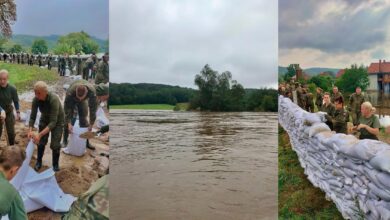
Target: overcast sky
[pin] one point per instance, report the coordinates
(46, 17)
(334, 33)
(169, 41)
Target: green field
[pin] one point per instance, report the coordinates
(24, 76)
(144, 107)
(298, 198)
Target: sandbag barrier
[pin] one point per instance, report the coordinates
(354, 174)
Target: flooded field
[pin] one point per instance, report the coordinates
(191, 165)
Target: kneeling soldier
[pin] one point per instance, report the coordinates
(52, 120)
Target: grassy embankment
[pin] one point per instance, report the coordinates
(24, 76)
(178, 107)
(298, 198)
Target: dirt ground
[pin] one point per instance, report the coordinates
(76, 173)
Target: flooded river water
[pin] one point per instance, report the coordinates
(191, 165)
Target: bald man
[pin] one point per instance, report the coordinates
(8, 95)
(52, 121)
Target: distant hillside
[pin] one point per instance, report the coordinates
(310, 71)
(27, 40)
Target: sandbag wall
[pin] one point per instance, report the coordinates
(354, 174)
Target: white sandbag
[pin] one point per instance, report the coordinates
(381, 161)
(67, 72)
(317, 128)
(384, 179)
(40, 190)
(101, 119)
(76, 145)
(28, 115)
(20, 176)
(367, 149)
(312, 118)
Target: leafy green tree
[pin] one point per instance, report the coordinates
(270, 103)
(80, 41)
(16, 48)
(324, 82)
(39, 46)
(63, 48)
(352, 78)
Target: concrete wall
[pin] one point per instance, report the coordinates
(354, 174)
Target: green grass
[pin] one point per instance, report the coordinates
(298, 198)
(144, 107)
(24, 76)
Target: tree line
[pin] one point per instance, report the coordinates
(72, 43)
(216, 92)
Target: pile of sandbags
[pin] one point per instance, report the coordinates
(354, 174)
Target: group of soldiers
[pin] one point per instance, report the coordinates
(91, 68)
(359, 110)
(88, 68)
(56, 121)
(26, 58)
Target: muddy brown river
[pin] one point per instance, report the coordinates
(191, 165)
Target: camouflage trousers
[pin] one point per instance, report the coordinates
(56, 135)
(10, 126)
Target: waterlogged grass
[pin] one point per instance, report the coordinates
(144, 107)
(24, 76)
(298, 198)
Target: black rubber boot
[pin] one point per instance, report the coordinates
(56, 158)
(65, 138)
(41, 150)
(89, 146)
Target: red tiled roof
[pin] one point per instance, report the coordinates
(340, 73)
(374, 68)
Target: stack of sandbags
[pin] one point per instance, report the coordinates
(354, 174)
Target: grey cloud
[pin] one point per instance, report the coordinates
(46, 17)
(342, 33)
(148, 44)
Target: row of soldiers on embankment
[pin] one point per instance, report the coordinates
(88, 66)
(359, 111)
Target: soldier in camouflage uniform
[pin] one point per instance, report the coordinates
(319, 98)
(62, 65)
(49, 60)
(83, 95)
(102, 75)
(309, 101)
(52, 121)
(8, 95)
(11, 203)
(79, 64)
(336, 94)
(93, 204)
(88, 67)
(340, 117)
(329, 108)
(69, 63)
(39, 60)
(355, 102)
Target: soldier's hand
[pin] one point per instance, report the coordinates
(36, 138)
(70, 128)
(18, 116)
(90, 128)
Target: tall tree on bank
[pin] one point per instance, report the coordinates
(7, 17)
(39, 46)
(217, 92)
